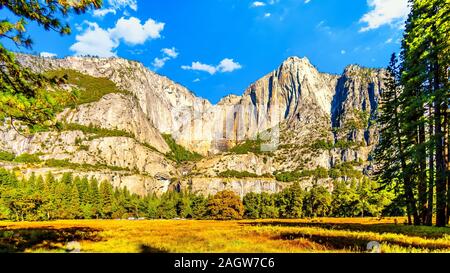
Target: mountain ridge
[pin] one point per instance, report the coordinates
(309, 120)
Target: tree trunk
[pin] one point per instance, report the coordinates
(429, 220)
(441, 182)
(422, 184)
(447, 158)
(409, 194)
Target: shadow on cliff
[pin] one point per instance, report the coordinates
(44, 239)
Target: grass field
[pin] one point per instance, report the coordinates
(314, 235)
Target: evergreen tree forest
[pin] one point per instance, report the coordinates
(47, 198)
(414, 152)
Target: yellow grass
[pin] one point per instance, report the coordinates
(306, 235)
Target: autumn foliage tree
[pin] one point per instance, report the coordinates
(225, 205)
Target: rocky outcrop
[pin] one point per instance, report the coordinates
(212, 166)
(166, 103)
(117, 111)
(295, 93)
(239, 186)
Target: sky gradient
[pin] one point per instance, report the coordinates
(218, 47)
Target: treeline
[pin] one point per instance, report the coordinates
(47, 198)
(355, 199)
(414, 151)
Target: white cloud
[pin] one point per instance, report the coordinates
(168, 54)
(118, 4)
(160, 62)
(307, 1)
(100, 42)
(47, 55)
(133, 32)
(103, 12)
(257, 4)
(94, 41)
(323, 27)
(385, 12)
(200, 67)
(267, 14)
(196, 80)
(114, 6)
(343, 52)
(226, 65)
(171, 52)
(388, 41)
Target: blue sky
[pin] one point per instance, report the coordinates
(218, 47)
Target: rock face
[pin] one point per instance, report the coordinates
(240, 186)
(294, 93)
(292, 109)
(165, 103)
(117, 111)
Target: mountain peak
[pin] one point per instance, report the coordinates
(296, 59)
(294, 63)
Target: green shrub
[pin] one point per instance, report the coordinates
(27, 158)
(90, 89)
(319, 172)
(346, 144)
(322, 144)
(237, 174)
(249, 146)
(97, 131)
(178, 153)
(340, 144)
(346, 169)
(6, 156)
(57, 163)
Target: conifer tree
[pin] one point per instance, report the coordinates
(26, 96)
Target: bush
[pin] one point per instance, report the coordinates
(99, 132)
(323, 145)
(249, 146)
(27, 158)
(347, 144)
(319, 172)
(178, 153)
(6, 156)
(345, 169)
(57, 163)
(90, 89)
(237, 174)
(225, 205)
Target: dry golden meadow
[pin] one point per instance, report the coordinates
(247, 236)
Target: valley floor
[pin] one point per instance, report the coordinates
(306, 235)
